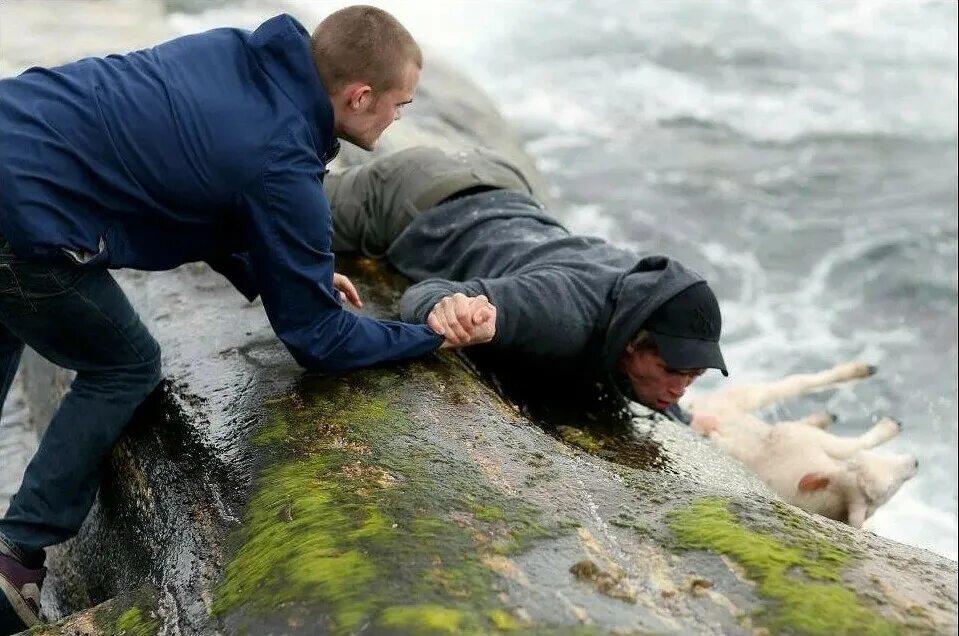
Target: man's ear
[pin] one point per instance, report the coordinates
(358, 96)
(811, 482)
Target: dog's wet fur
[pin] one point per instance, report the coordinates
(838, 477)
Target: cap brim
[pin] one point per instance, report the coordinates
(689, 353)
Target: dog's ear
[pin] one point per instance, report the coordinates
(811, 482)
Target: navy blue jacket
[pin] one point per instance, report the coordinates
(210, 147)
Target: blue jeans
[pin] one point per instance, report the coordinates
(78, 319)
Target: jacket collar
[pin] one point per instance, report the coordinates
(283, 46)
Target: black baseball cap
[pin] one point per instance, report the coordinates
(686, 329)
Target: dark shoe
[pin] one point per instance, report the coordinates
(19, 595)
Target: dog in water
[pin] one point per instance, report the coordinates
(837, 477)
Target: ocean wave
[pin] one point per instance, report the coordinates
(778, 72)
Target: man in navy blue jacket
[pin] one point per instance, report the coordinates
(210, 147)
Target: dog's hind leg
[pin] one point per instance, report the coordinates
(844, 447)
(756, 396)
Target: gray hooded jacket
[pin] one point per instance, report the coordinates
(563, 302)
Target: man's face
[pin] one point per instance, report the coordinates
(655, 384)
(366, 116)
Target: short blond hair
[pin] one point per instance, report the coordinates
(363, 44)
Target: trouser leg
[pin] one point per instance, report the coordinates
(80, 320)
(373, 202)
(11, 348)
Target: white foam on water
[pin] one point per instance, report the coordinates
(910, 519)
(589, 220)
(601, 82)
(771, 71)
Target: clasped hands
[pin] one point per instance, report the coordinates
(461, 320)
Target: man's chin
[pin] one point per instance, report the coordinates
(662, 405)
(363, 144)
(651, 404)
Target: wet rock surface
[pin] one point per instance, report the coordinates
(251, 497)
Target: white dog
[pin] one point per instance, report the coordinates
(837, 477)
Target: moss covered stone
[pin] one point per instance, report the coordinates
(425, 619)
(133, 613)
(134, 622)
(799, 573)
(357, 521)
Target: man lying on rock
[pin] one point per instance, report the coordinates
(466, 228)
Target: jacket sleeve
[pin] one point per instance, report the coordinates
(237, 269)
(289, 231)
(538, 313)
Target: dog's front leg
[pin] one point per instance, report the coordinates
(844, 447)
(882, 431)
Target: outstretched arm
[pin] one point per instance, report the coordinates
(288, 230)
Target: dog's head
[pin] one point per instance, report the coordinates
(865, 482)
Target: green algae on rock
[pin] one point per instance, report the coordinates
(801, 576)
(356, 518)
(133, 623)
(131, 614)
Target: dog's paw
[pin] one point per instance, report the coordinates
(855, 370)
(889, 426)
(705, 424)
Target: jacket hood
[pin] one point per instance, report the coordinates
(636, 295)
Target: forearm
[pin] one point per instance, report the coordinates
(346, 341)
(288, 233)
